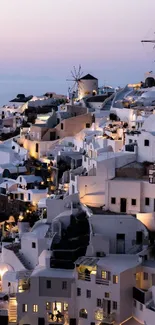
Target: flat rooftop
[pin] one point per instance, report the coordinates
(112, 262)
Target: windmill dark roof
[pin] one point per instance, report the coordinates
(88, 77)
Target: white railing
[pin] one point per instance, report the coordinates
(102, 281)
(84, 277)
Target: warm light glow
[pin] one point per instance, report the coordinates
(35, 308)
(20, 218)
(2, 272)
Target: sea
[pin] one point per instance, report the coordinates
(10, 87)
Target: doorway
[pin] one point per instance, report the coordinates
(120, 244)
(123, 205)
(109, 307)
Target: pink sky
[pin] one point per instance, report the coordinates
(52, 35)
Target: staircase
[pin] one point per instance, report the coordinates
(23, 261)
(12, 310)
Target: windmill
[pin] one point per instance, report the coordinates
(149, 41)
(76, 75)
(149, 76)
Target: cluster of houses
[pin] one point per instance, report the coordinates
(89, 172)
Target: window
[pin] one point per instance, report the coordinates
(62, 126)
(104, 275)
(147, 201)
(141, 307)
(135, 303)
(64, 285)
(37, 147)
(145, 276)
(78, 291)
(29, 197)
(99, 303)
(35, 308)
(107, 295)
(48, 284)
(83, 313)
(48, 305)
(22, 196)
(88, 293)
(33, 245)
(130, 140)
(114, 305)
(133, 201)
(41, 321)
(146, 143)
(113, 200)
(24, 308)
(52, 136)
(87, 125)
(115, 279)
(20, 179)
(65, 306)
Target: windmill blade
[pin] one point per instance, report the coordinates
(73, 87)
(70, 80)
(81, 74)
(79, 71)
(76, 75)
(73, 75)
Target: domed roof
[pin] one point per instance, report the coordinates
(4, 267)
(149, 124)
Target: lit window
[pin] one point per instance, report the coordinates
(57, 306)
(35, 308)
(107, 294)
(48, 305)
(25, 308)
(145, 276)
(65, 306)
(115, 279)
(83, 313)
(104, 274)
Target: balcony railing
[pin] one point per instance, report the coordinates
(102, 281)
(109, 320)
(55, 319)
(84, 277)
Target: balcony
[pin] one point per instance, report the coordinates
(102, 281)
(143, 296)
(109, 320)
(84, 277)
(58, 318)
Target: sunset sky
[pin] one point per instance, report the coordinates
(47, 37)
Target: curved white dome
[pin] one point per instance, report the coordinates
(149, 124)
(4, 267)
